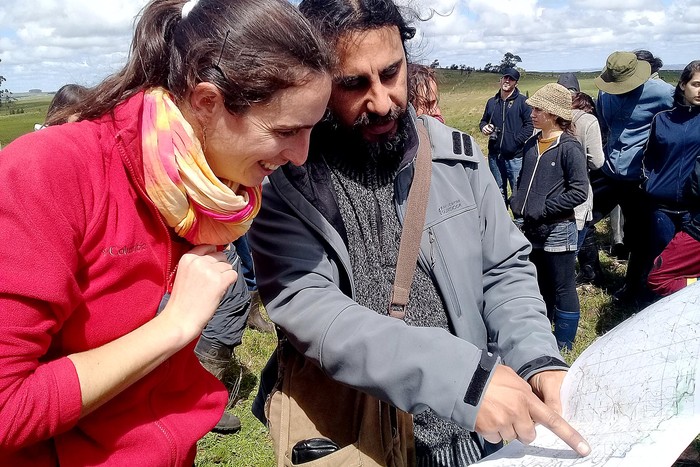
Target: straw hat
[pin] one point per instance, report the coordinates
(553, 98)
(623, 73)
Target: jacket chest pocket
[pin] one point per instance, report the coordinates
(452, 242)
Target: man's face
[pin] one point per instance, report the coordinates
(370, 91)
(507, 84)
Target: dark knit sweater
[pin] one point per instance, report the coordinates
(364, 190)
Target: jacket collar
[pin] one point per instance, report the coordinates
(687, 109)
(123, 125)
(513, 95)
(562, 138)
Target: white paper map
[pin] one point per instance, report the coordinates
(631, 394)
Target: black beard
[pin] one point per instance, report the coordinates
(367, 162)
(352, 141)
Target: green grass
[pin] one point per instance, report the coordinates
(462, 101)
(250, 447)
(15, 125)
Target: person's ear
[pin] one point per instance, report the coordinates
(206, 100)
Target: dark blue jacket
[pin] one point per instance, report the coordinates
(513, 118)
(673, 147)
(692, 195)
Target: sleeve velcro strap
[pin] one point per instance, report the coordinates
(480, 378)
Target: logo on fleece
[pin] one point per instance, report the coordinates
(124, 250)
(449, 207)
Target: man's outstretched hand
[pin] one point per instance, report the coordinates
(547, 386)
(511, 409)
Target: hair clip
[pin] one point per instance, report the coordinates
(221, 54)
(187, 7)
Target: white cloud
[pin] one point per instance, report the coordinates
(549, 35)
(47, 43)
(52, 42)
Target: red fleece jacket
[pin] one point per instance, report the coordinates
(85, 258)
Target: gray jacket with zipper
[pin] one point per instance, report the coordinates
(471, 249)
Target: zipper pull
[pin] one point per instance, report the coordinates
(431, 236)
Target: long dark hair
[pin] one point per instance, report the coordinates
(655, 62)
(566, 125)
(686, 76)
(420, 78)
(249, 49)
(583, 101)
(335, 18)
(66, 96)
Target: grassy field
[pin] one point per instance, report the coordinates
(14, 125)
(462, 101)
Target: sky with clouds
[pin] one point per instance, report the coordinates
(47, 43)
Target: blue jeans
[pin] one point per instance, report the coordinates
(665, 225)
(506, 170)
(582, 236)
(246, 262)
(556, 276)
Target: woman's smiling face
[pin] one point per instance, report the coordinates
(245, 148)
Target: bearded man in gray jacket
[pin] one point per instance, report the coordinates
(326, 242)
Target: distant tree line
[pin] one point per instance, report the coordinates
(5, 95)
(509, 60)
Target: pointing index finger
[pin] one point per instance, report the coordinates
(547, 417)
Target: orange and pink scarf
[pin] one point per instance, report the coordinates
(200, 207)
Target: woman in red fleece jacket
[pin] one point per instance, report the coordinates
(101, 217)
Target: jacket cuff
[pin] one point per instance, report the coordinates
(539, 365)
(481, 377)
(68, 390)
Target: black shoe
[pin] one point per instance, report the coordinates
(622, 295)
(586, 275)
(634, 296)
(228, 424)
(620, 251)
(255, 317)
(213, 356)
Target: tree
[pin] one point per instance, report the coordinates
(488, 68)
(5, 92)
(509, 61)
(6, 96)
(435, 64)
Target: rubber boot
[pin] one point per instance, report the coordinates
(255, 317)
(590, 271)
(565, 327)
(215, 358)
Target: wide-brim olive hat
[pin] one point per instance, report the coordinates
(623, 73)
(553, 98)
